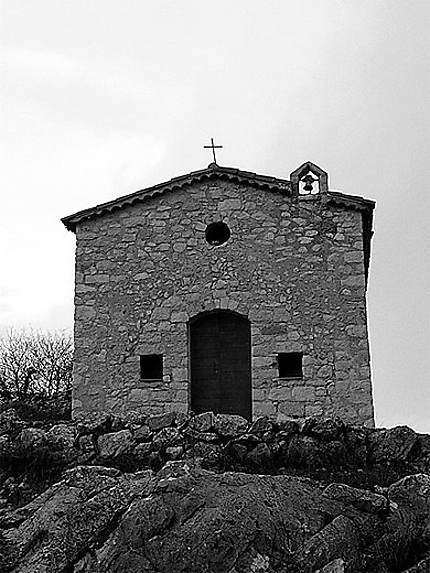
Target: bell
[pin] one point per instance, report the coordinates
(309, 181)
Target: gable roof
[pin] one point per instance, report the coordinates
(213, 171)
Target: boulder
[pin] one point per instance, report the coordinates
(210, 454)
(195, 436)
(115, 444)
(338, 540)
(142, 451)
(166, 437)
(174, 452)
(413, 492)
(229, 425)
(302, 451)
(61, 435)
(329, 429)
(202, 422)
(32, 437)
(393, 444)
(260, 456)
(143, 434)
(261, 425)
(161, 421)
(364, 500)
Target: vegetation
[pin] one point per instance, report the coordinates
(36, 373)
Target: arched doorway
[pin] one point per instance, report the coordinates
(220, 359)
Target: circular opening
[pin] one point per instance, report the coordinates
(217, 234)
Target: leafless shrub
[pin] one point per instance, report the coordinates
(35, 363)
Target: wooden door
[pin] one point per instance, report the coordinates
(220, 347)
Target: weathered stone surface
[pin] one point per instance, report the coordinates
(142, 452)
(166, 437)
(364, 500)
(143, 434)
(156, 423)
(61, 435)
(195, 436)
(339, 539)
(261, 425)
(329, 429)
(394, 444)
(192, 524)
(210, 454)
(186, 519)
(56, 528)
(260, 456)
(303, 451)
(150, 271)
(229, 425)
(174, 452)
(203, 422)
(32, 437)
(413, 492)
(115, 444)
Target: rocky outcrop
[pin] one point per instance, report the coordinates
(189, 520)
(212, 493)
(327, 450)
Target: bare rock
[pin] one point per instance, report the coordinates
(61, 435)
(413, 492)
(143, 434)
(174, 452)
(203, 422)
(229, 425)
(161, 421)
(261, 425)
(364, 500)
(115, 444)
(324, 429)
(32, 437)
(195, 436)
(201, 522)
(338, 540)
(260, 456)
(141, 452)
(56, 528)
(393, 444)
(166, 437)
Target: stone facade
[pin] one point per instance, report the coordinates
(295, 266)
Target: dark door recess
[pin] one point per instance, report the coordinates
(220, 346)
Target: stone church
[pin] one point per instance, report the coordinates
(228, 291)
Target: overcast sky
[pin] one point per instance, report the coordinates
(100, 98)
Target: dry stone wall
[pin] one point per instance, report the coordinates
(293, 266)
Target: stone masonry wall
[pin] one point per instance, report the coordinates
(293, 266)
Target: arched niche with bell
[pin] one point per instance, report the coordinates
(309, 179)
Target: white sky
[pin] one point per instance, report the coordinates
(100, 98)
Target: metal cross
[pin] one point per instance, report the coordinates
(213, 147)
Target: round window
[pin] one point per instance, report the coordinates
(217, 234)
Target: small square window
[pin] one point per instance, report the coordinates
(290, 364)
(151, 367)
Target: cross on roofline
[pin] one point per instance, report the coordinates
(213, 147)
